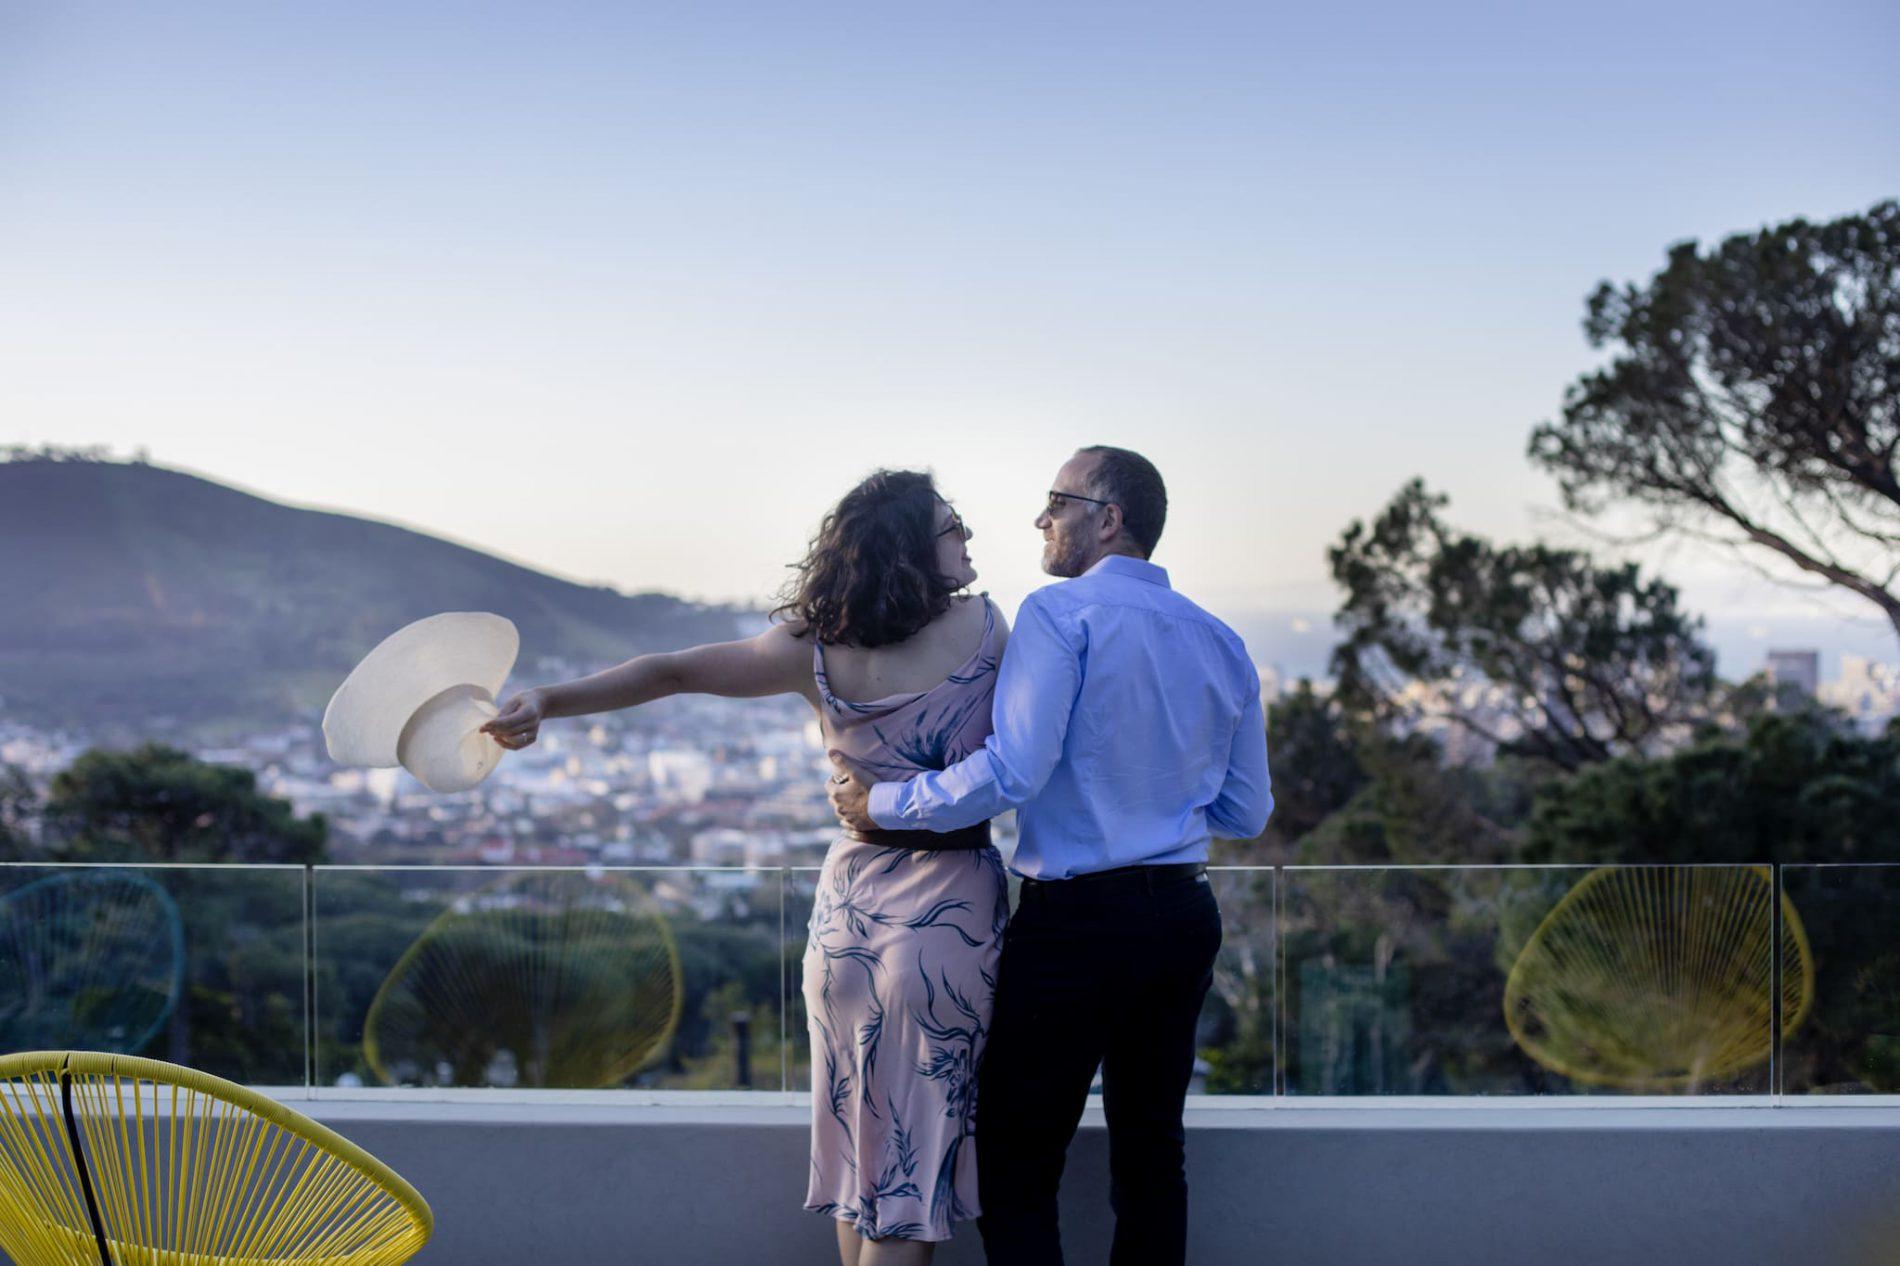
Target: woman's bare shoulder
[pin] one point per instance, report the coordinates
(785, 640)
(791, 628)
(787, 645)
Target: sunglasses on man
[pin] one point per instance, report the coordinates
(1057, 498)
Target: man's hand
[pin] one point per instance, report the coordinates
(850, 798)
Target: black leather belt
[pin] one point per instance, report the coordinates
(977, 836)
(1149, 876)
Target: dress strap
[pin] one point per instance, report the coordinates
(818, 669)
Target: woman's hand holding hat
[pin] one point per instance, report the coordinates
(422, 698)
(519, 722)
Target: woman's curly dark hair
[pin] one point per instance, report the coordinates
(870, 577)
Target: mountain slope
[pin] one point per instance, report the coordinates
(135, 595)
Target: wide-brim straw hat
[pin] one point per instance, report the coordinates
(420, 698)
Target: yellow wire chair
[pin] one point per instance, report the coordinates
(573, 978)
(1659, 978)
(133, 1162)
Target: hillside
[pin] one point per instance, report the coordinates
(138, 597)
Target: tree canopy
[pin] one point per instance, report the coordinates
(19, 806)
(1797, 787)
(1752, 399)
(1534, 649)
(159, 804)
(1316, 760)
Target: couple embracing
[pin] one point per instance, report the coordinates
(953, 1043)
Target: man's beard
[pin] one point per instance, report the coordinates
(1064, 559)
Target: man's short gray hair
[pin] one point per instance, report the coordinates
(1131, 481)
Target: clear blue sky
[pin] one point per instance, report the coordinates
(633, 292)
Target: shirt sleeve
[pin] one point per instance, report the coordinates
(1036, 689)
(1245, 802)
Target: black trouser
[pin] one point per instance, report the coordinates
(1107, 971)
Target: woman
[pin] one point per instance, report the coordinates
(900, 964)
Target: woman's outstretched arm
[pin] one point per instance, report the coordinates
(773, 663)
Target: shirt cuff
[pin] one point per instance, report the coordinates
(882, 806)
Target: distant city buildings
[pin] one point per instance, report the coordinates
(1867, 691)
(682, 773)
(700, 781)
(1469, 718)
(686, 781)
(1800, 669)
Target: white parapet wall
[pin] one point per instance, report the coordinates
(555, 1179)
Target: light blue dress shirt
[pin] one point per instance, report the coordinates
(1128, 728)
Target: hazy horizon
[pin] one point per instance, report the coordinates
(1292, 639)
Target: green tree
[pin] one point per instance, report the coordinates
(1752, 399)
(1534, 649)
(1416, 810)
(159, 804)
(1316, 757)
(1399, 949)
(1796, 787)
(19, 807)
(242, 1013)
(1369, 798)
(726, 966)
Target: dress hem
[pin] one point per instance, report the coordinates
(838, 1214)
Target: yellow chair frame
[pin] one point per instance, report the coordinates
(1658, 977)
(135, 1162)
(566, 1030)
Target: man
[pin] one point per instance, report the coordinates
(1128, 727)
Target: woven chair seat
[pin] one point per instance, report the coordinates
(135, 1162)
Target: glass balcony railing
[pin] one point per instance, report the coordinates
(1331, 981)
(1529, 980)
(1848, 1042)
(801, 889)
(1238, 1034)
(550, 978)
(202, 965)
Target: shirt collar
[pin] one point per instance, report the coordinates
(1133, 568)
